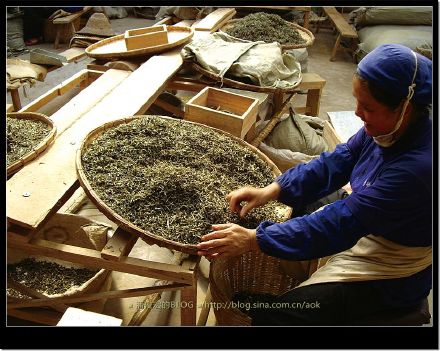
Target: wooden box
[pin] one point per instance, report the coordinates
(224, 110)
(145, 37)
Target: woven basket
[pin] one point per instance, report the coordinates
(304, 32)
(25, 159)
(253, 273)
(147, 236)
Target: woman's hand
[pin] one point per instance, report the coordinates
(254, 197)
(227, 240)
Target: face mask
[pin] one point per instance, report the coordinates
(386, 140)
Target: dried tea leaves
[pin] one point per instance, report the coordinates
(23, 135)
(49, 278)
(171, 177)
(265, 27)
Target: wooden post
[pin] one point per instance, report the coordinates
(15, 99)
(335, 48)
(313, 98)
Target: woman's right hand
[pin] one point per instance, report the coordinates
(254, 197)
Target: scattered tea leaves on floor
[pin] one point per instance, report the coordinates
(23, 135)
(170, 177)
(265, 27)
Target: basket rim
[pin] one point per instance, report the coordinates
(40, 147)
(138, 52)
(304, 32)
(146, 235)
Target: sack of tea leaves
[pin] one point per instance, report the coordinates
(258, 63)
(295, 139)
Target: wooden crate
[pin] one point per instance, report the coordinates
(145, 37)
(209, 107)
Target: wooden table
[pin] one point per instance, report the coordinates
(51, 180)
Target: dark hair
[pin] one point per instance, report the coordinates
(391, 101)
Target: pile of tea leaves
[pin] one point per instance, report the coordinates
(265, 27)
(23, 135)
(49, 278)
(170, 177)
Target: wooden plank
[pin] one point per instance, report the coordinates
(345, 29)
(211, 22)
(65, 86)
(96, 67)
(75, 202)
(185, 23)
(57, 164)
(68, 19)
(73, 54)
(114, 294)
(168, 20)
(92, 258)
(120, 244)
(311, 81)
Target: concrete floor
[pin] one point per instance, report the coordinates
(336, 96)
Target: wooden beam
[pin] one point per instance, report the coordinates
(212, 21)
(120, 244)
(73, 54)
(60, 307)
(92, 258)
(114, 294)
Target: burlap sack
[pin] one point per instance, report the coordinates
(20, 72)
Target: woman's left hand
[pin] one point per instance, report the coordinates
(227, 240)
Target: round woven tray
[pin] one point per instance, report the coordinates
(25, 159)
(114, 47)
(148, 236)
(305, 34)
(239, 85)
(253, 273)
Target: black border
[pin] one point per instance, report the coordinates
(239, 337)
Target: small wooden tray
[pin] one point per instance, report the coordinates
(305, 34)
(25, 159)
(240, 85)
(125, 224)
(115, 47)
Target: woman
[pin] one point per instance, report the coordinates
(379, 238)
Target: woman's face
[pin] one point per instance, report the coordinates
(378, 119)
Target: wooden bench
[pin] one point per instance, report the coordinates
(344, 29)
(67, 21)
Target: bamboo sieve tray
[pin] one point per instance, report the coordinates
(305, 34)
(147, 236)
(114, 47)
(25, 159)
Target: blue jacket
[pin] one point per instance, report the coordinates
(392, 197)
